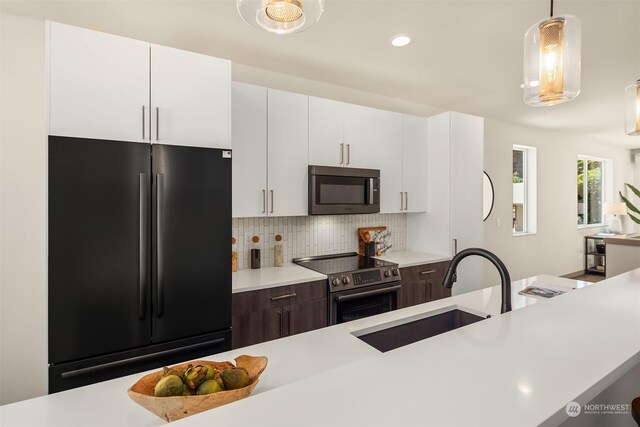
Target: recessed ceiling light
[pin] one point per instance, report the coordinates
(401, 40)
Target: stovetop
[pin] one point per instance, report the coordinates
(341, 263)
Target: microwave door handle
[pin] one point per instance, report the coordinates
(370, 198)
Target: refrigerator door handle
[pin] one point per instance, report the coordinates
(159, 246)
(142, 277)
(138, 359)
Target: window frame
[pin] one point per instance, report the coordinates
(606, 185)
(529, 171)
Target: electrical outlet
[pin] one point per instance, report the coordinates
(497, 222)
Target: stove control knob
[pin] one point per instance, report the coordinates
(395, 272)
(346, 280)
(387, 273)
(335, 281)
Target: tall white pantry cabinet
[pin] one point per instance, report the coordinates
(453, 220)
(103, 86)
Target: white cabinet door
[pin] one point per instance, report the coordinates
(190, 98)
(414, 163)
(288, 153)
(359, 134)
(98, 85)
(385, 154)
(249, 173)
(467, 159)
(326, 132)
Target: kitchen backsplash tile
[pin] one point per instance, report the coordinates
(311, 235)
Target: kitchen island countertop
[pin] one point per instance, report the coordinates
(518, 368)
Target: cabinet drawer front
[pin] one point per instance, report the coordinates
(247, 302)
(419, 272)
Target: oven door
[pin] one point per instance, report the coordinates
(359, 303)
(334, 191)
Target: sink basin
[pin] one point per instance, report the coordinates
(393, 335)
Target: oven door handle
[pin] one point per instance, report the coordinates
(341, 298)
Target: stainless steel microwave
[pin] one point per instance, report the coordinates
(342, 191)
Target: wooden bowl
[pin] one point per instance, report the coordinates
(177, 407)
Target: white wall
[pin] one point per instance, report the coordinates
(557, 247)
(23, 262)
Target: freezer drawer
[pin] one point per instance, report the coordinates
(83, 372)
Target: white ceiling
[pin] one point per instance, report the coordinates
(466, 55)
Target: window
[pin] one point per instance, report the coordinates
(591, 190)
(524, 190)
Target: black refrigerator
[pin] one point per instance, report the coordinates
(139, 258)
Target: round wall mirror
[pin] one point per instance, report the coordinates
(487, 196)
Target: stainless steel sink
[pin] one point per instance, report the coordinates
(393, 335)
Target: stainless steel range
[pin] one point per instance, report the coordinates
(357, 286)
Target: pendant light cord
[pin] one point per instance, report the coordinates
(551, 14)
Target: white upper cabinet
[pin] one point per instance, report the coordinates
(288, 153)
(249, 130)
(109, 87)
(98, 85)
(414, 163)
(270, 152)
(384, 151)
(190, 98)
(326, 132)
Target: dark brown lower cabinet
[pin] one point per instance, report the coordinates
(268, 314)
(306, 316)
(423, 283)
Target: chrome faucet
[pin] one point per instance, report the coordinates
(451, 275)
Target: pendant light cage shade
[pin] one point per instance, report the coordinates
(632, 109)
(281, 16)
(552, 61)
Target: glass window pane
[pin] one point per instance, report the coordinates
(581, 205)
(519, 193)
(594, 187)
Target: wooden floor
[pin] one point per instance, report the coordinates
(594, 278)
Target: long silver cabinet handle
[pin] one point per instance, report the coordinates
(159, 245)
(427, 272)
(142, 272)
(271, 210)
(406, 201)
(341, 154)
(455, 246)
(264, 201)
(143, 120)
(348, 153)
(291, 295)
(157, 123)
(401, 200)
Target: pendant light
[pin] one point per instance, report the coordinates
(281, 16)
(552, 60)
(632, 109)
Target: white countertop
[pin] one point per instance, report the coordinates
(410, 258)
(518, 368)
(271, 277)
